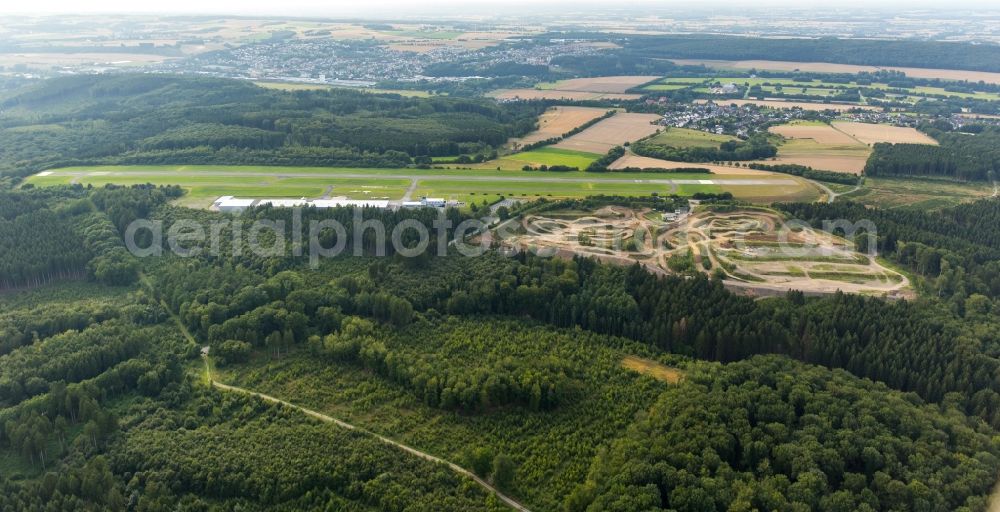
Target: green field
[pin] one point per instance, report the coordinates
(666, 87)
(206, 183)
(922, 194)
(814, 87)
(687, 138)
(811, 91)
(545, 156)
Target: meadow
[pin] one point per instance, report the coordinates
(919, 194)
(547, 156)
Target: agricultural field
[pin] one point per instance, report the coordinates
(549, 94)
(206, 183)
(665, 87)
(824, 67)
(687, 138)
(559, 120)
(634, 161)
(547, 156)
(820, 146)
(842, 146)
(805, 105)
(752, 248)
(607, 84)
(868, 133)
(611, 132)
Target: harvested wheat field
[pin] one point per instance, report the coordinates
(804, 105)
(871, 133)
(557, 121)
(634, 161)
(611, 84)
(550, 94)
(611, 132)
(821, 133)
(851, 163)
(820, 146)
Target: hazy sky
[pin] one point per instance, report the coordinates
(383, 8)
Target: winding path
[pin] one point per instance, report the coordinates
(832, 196)
(510, 502)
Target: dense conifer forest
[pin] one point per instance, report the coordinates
(961, 155)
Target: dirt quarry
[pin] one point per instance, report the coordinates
(752, 248)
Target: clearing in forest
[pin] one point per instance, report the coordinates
(653, 369)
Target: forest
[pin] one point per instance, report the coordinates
(755, 148)
(150, 119)
(509, 365)
(961, 155)
(773, 435)
(908, 53)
